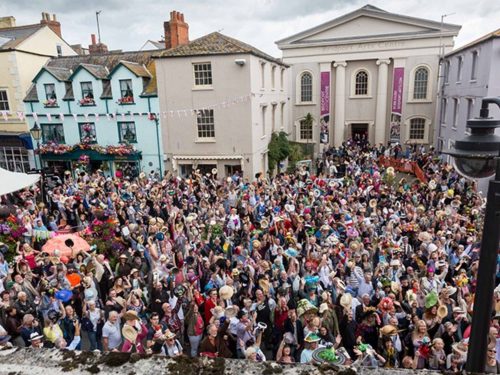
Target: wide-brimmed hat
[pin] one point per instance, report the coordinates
(217, 311)
(346, 301)
(322, 308)
(312, 337)
(442, 311)
(388, 330)
(169, 335)
(129, 333)
(131, 315)
(449, 290)
(431, 300)
(226, 292)
(304, 306)
(460, 348)
(35, 336)
(230, 312)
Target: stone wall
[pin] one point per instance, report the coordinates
(54, 362)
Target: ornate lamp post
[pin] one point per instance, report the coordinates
(476, 156)
(36, 134)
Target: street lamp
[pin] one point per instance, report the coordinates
(476, 156)
(36, 134)
(154, 117)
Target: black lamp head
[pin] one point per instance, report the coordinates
(475, 155)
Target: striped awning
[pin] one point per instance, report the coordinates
(207, 157)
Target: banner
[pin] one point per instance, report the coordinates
(397, 104)
(324, 119)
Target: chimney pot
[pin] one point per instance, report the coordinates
(54, 17)
(92, 37)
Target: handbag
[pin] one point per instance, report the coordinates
(87, 325)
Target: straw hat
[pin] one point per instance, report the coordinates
(131, 315)
(129, 333)
(256, 244)
(312, 337)
(304, 306)
(264, 223)
(388, 330)
(346, 301)
(226, 292)
(322, 308)
(231, 312)
(442, 311)
(169, 335)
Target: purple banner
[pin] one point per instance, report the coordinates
(397, 104)
(325, 108)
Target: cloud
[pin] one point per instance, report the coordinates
(127, 25)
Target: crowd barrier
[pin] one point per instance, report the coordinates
(405, 166)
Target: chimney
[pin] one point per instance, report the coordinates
(176, 30)
(96, 48)
(6, 22)
(54, 25)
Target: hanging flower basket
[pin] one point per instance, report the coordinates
(126, 100)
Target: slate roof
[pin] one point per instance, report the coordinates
(216, 44)
(493, 34)
(140, 63)
(16, 35)
(32, 95)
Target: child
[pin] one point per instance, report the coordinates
(437, 359)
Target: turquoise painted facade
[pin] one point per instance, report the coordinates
(103, 121)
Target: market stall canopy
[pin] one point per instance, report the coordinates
(14, 181)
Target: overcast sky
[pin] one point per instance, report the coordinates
(128, 24)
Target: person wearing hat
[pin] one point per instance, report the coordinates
(195, 328)
(36, 340)
(133, 332)
(311, 342)
(172, 348)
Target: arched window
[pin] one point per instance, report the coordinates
(417, 129)
(361, 84)
(306, 87)
(420, 84)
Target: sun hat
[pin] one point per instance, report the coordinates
(129, 333)
(131, 315)
(431, 300)
(322, 308)
(388, 330)
(346, 301)
(442, 311)
(169, 335)
(305, 306)
(226, 292)
(35, 336)
(312, 337)
(63, 295)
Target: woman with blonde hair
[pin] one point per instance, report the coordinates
(416, 341)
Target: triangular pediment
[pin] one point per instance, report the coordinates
(366, 26)
(368, 22)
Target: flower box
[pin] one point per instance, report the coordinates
(50, 103)
(126, 100)
(87, 101)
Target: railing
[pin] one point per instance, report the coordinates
(405, 166)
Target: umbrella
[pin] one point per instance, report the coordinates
(14, 181)
(66, 245)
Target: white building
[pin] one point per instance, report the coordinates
(220, 101)
(368, 74)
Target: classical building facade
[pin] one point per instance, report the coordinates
(23, 51)
(369, 74)
(221, 106)
(470, 73)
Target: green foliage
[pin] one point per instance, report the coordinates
(279, 149)
(297, 152)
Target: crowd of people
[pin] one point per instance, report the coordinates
(344, 254)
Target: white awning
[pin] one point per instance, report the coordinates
(14, 181)
(207, 157)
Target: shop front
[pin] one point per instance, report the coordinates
(121, 163)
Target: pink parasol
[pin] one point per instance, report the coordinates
(68, 245)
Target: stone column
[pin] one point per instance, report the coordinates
(381, 121)
(339, 125)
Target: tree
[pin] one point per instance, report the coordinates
(308, 122)
(279, 149)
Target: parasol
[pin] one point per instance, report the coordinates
(68, 245)
(14, 181)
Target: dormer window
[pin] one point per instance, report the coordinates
(127, 94)
(87, 94)
(50, 95)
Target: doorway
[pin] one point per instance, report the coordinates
(359, 133)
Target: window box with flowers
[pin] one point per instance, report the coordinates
(87, 102)
(87, 133)
(51, 103)
(126, 100)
